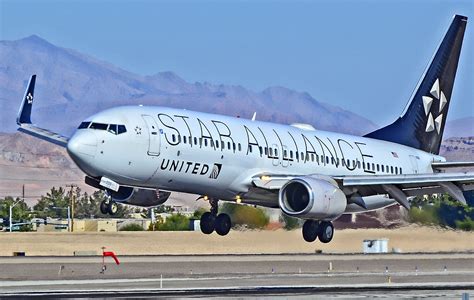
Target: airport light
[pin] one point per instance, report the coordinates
(68, 215)
(10, 209)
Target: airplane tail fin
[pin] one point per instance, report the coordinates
(422, 123)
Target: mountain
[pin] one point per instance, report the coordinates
(72, 86)
(458, 149)
(459, 127)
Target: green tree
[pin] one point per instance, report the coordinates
(245, 215)
(176, 222)
(20, 212)
(52, 205)
(441, 210)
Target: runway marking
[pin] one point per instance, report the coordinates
(223, 278)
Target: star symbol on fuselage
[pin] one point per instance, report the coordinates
(138, 130)
(435, 93)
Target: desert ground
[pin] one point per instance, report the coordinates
(409, 239)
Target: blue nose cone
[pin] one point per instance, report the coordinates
(82, 147)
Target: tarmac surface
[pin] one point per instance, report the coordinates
(315, 276)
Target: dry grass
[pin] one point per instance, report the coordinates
(407, 239)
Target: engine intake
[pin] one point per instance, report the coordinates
(312, 198)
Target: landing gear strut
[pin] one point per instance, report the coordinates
(108, 207)
(313, 229)
(211, 221)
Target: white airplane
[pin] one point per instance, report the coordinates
(139, 154)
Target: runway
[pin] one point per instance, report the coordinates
(314, 275)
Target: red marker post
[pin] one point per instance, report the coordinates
(108, 253)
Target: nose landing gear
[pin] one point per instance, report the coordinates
(211, 221)
(108, 207)
(313, 229)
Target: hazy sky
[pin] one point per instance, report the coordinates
(365, 56)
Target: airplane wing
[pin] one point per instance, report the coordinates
(399, 187)
(24, 119)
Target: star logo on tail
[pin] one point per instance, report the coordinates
(29, 98)
(433, 123)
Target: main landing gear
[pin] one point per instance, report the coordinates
(211, 221)
(312, 229)
(108, 206)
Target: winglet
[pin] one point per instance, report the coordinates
(24, 115)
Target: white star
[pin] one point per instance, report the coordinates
(427, 101)
(438, 122)
(430, 124)
(442, 101)
(435, 89)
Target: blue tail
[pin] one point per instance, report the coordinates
(422, 123)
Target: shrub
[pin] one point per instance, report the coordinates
(290, 223)
(132, 227)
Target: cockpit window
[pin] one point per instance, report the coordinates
(84, 125)
(121, 129)
(99, 126)
(112, 128)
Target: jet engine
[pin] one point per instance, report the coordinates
(139, 197)
(312, 198)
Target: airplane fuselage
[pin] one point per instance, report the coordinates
(215, 155)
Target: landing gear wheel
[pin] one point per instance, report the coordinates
(310, 230)
(207, 223)
(326, 232)
(104, 207)
(223, 224)
(112, 208)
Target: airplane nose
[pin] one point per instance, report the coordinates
(82, 145)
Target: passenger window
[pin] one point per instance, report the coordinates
(195, 141)
(391, 169)
(233, 146)
(261, 150)
(240, 147)
(291, 154)
(358, 164)
(312, 157)
(205, 142)
(285, 154)
(382, 168)
(302, 156)
(179, 138)
(173, 137)
(296, 155)
(396, 170)
(121, 129)
(222, 145)
(270, 151)
(343, 161)
(228, 145)
(378, 167)
(401, 171)
(84, 125)
(327, 159)
(276, 152)
(373, 166)
(184, 139)
(217, 144)
(387, 169)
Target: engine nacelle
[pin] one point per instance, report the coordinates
(139, 197)
(312, 198)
